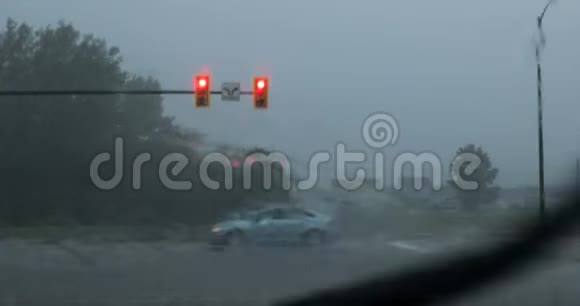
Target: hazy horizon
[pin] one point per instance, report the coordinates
(452, 73)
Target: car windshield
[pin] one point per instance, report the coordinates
(141, 140)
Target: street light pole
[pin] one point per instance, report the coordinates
(540, 134)
(539, 46)
(577, 175)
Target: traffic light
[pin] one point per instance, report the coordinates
(202, 88)
(261, 87)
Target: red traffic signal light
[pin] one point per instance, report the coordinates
(202, 88)
(261, 85)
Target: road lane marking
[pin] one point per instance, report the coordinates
(406, 245)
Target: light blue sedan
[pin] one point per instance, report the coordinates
(275, 226)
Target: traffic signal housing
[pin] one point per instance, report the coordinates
(261, 88)
(202, 88)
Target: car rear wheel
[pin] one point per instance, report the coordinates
(313, 238)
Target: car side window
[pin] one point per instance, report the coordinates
(308, 214)
(298, 214)
(278, 214)
(266, 215)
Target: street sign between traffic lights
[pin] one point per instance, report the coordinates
(202, 87)
(231, 91)
(261, 87)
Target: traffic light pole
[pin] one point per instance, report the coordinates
(201, 92)
(105, 92)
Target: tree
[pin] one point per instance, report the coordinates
(48, 142)
(484, 175)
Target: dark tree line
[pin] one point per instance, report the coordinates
(48, 142)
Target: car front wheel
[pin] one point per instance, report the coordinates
(235, 238)
(313, 238)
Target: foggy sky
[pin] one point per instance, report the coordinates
(451, 71)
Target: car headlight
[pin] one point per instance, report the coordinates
(216, 229)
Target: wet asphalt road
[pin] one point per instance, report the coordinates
(189, 274)
(138, 274)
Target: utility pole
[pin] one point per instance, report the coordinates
(539, 47)
(578, 175)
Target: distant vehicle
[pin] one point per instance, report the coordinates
(274, 226)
